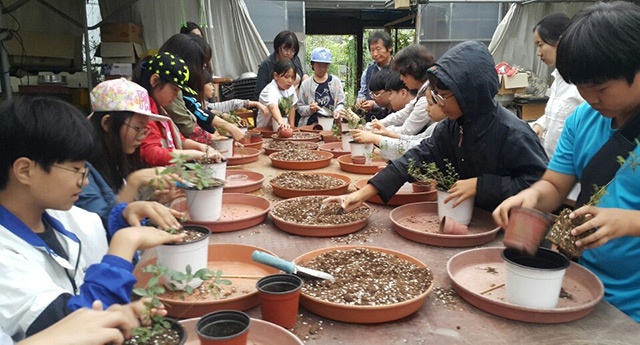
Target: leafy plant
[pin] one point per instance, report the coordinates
(335, 130)
(354, 121)
(158, 323)
(203, 274)
(285, 104)
(430, 172)
(193, 173)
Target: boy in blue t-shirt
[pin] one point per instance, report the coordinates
(599, 54)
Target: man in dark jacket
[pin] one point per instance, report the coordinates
(496, 154)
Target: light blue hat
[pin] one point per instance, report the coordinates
(321, 54)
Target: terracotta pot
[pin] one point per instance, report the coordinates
(534, 281)
(285, 132)
(224, 327)
(325, 122)
(225, 146)
(421, 187)
(449, 226)
(279, 298)
(255, 136)
(177, 256)
(461, 213)
(358, 159)
(526, 229)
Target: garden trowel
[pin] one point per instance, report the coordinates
(288, 266)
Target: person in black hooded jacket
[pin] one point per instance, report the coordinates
(495, 153)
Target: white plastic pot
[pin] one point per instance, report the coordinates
(325, 122)
(461, 213)
(204, 205)
(178, 255)
(346, 138)
(218, 170)
(224, 146)
(344, 126)
(360, 149)
(534, 281)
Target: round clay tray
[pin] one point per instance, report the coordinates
(335, 148)
(239, 211)
(308, 136)
(255, 145)
(242, 181)
(307, 146)
(311, 128)
(404, 195)
(329, 230)
(260, 333)
(356, 313)
(347, 165)
(243, 156)
(267, 132)
(327, 137)
(303, 165)
(233, 260)
(419, 222)
(292, 193)
(470, 276)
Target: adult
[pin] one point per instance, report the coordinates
(285, 46)
(191, 28)
(380, 48)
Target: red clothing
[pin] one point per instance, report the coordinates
(157, 146)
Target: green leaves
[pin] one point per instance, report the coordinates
(430, 172)
(192, 172)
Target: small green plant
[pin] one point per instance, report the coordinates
(430, 172)
(600, 191)
(194, 174)
(204, 274)
(158, 324)
(285, 104)
(335, 130)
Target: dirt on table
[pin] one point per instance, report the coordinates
(291, 145)
(302, 181)
(367, 277)
(297, 156)
(307, 210)
(168, 337)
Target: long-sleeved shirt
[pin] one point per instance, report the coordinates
(306, 95)
(411, 119)
(228, 106)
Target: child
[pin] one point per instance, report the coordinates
(495, 153)
(279, 91)
(226, 106)
(48, 248)
(322, 90)
(598, 53)
(163, 76)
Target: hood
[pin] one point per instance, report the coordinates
(469, 71)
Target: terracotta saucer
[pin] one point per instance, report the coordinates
(303, 165)
(347, 165)
(361, 313)
(233, 260)
(335, 148)
(243, 156)
(292, 193)
(404, 195)
(419, 222)
(472, 273)
(267, 132)
(299, 136)
(327, 137)
(254, 145)
(242, 181)
(304, 145)
(260, 333)
(239, 211)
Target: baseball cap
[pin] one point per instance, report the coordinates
(122, 95)
(321, 54)
(171, 68)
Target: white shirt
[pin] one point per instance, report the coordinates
(410, 119)
(271, 94)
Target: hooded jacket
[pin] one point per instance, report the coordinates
(487, 141)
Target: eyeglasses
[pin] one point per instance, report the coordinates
(376, 94)
(439, 100)
(141, 133)
(84, 173)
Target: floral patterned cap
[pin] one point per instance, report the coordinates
(172, 69)
(123, 95)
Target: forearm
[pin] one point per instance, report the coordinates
(292, 117)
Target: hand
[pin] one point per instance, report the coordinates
(285, 125)
(359, 102)
(337, 114)
(236, 133)
(348, 202)
(214, 155)
(609, 223)
(368, 105)
(539, 130)
(526, 198)
(126, 241)
(462, 190)
(363, 136)
(136, 310)
(162, 216)
(143, 177)
(313, 107)
(377, 126)
(167, 195)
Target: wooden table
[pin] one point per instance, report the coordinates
(434, 323)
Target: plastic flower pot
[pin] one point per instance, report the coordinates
(218, 170)
(358, 159)
(534, 281)
(255, 135)
(325, 122)
(224, 327)
(358, 149)
(461, 213)
(224, 146)
(526, 229)
(177, 256)
(421, 187)
(279, 297)
(449, 226)
(205, 205)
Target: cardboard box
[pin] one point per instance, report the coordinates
(121, 32)
(120, 52)
(515, 84)
(45, 52)
(403, 4)
(532, 111)
(119, 69)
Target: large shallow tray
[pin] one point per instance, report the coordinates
(242, 181)
(260, 333)
(335, 148)
(300, 136)
(347, 165)
(292, 193)
(232, 259)
(472, 272)
(316, 230)
(404, 195)
(355, 313)
(243, 156)
(267, 132)
(419, 222)
(303, 145)
(303, 165)
(239, 211)
(255, 144)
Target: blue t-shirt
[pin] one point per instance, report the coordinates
(616, 263)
